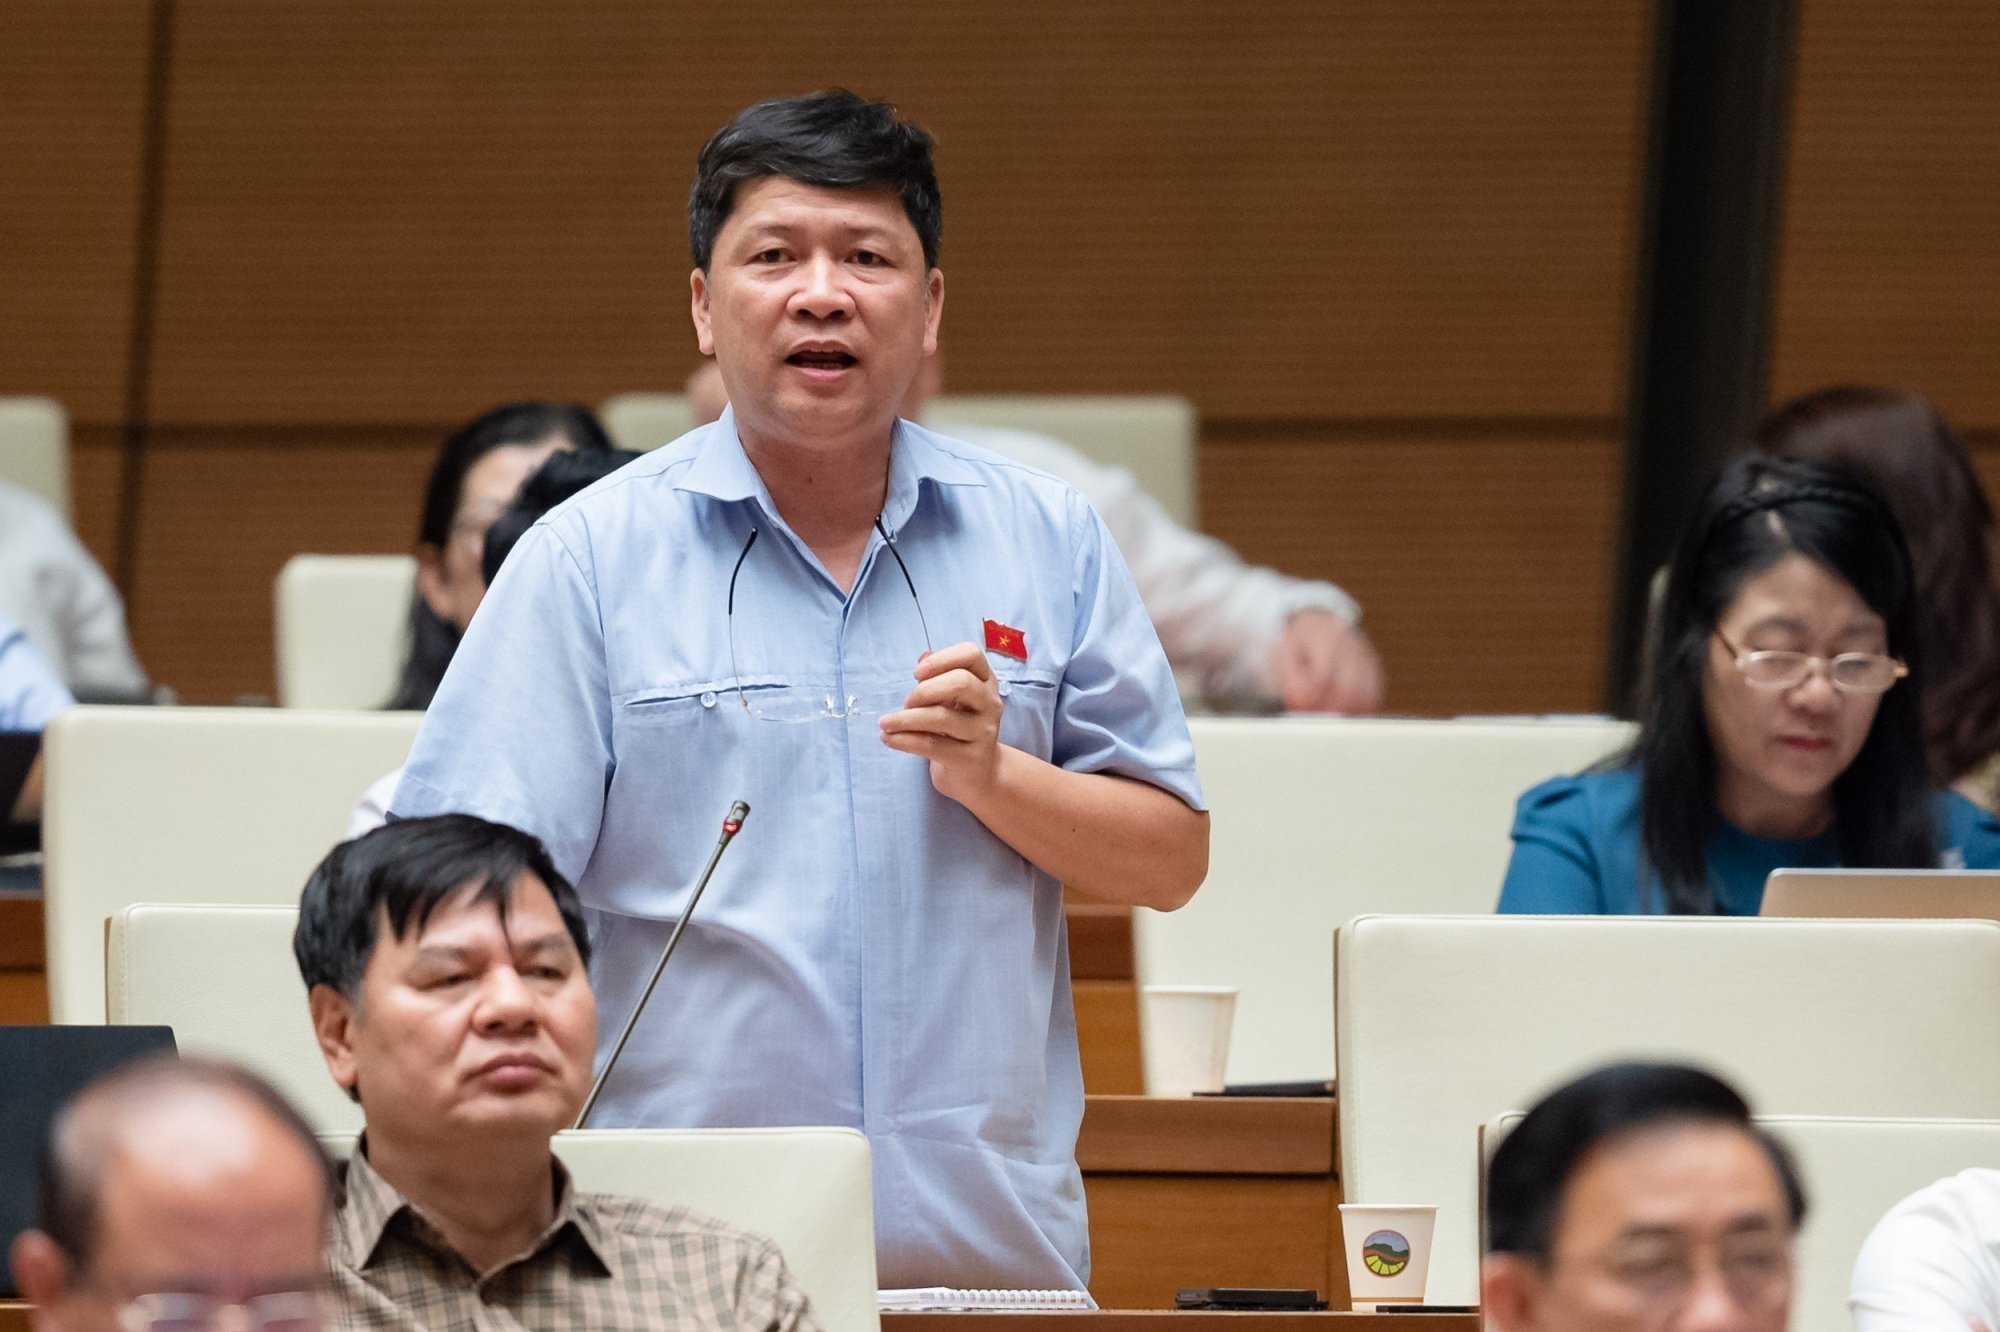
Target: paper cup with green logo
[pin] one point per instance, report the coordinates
(1388, 1252)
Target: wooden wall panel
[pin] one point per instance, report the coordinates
(1482, 561)
(72, 101)
(1890, 271)
(381, 212)
(226, 509)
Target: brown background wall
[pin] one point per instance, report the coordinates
(1386, 248)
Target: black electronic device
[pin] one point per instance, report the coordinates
(1250, 1297)
(41, 1068)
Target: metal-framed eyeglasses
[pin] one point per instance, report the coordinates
(1849, 672)
(174, 1311)
(790, 705)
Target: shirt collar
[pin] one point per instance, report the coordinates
(370, 1203)
(723, 471)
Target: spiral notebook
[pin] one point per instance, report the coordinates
(944, 1297)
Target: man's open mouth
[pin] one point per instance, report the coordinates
(820, 360)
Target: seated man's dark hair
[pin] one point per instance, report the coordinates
(403, 871)
(562, 475)
(835, 140)
(85, 1132)
(1532, 1169)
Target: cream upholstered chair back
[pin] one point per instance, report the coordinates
(191, 805)
(807, 1189)
(1854, 1169)
(645, 421)
(1445, 1021)
(224, 979)
(1315, 821)
(1153, 438)
(343, 629)
(34, 449)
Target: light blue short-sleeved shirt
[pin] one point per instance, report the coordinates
(31, 694)
(868, 953)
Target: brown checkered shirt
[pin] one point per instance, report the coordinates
(605, 1263)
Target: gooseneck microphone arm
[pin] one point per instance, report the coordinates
(730, 826)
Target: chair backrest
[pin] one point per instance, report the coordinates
(807, 1189)
(1315, 821)
(1855, 1169)
(645, 421)
(343, 629)
(224, 979)
(34, 449)
(1445, 1021)
(1154, 438)
(191, 805)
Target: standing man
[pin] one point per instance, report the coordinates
(927, 670)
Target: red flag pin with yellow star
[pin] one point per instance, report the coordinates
(1006, 640)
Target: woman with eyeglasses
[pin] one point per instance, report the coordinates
(479, 468)
(1784, 727)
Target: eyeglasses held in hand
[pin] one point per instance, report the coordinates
(797, 705)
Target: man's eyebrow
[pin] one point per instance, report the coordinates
(555, 941)
(441, 953)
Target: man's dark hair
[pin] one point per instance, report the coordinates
(1532, 1169)
(835, 140)
(403, 871)
(83, 1134)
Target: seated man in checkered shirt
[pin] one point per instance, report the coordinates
(445, 959)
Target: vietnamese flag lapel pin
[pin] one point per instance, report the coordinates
(1006, 640)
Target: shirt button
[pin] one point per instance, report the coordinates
(1005, 688)
(708, 699)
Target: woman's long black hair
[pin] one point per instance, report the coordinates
(433, 639)
(1759, 512)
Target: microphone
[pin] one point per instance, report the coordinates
(731, 825)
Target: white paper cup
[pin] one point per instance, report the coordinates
(1388, 1252)
(1184, 1037)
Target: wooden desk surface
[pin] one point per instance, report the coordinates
(1207, 1135)
(1177, 1320)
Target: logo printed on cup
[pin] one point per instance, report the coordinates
(1386, 1252)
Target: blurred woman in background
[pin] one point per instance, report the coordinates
(1896, 443)
(477, 473)
(1784, 726)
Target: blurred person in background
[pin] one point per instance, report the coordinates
(55, 593)
(1237, 635)
(562, 474)
(1932, 1264)
(478, 471)
(178, 1195)
(1784, 727)
(1898, 445)
(1640, 1198)
(30, 698)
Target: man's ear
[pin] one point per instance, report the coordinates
(933, 310)
(704, 336)
(333, 1028)
(41, 1271)
(1510, 1290)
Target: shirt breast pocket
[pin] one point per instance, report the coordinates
(1028, 708)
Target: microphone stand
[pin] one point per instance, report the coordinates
(730, 826)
